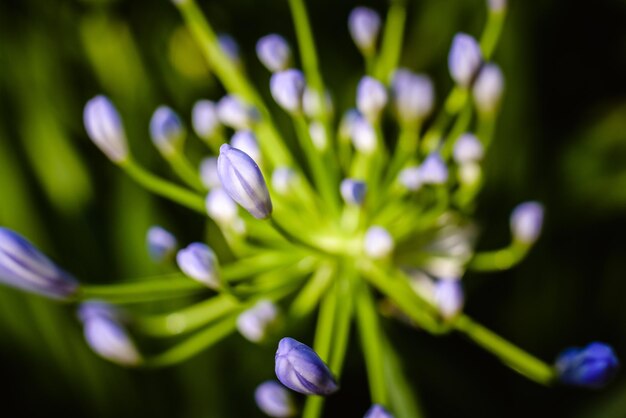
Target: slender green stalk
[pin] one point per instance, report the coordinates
(392, 41)
(343, 320)
(186, 172)
(499, 260)
(404, 152)
(460, 126)
(164, 287)
(491, 33)
(402, 397)
(312, 292)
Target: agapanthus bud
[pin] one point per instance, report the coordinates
(411, 178)
(468, 149)
(255, 323)
(377, 411)
(208, 173)
(105, 334)
(449, 298)
(161, 243)
(24, 267)
(592, 366)
(434, 170)
(371, 98)
(220, 206)
(287, 88)
(363, 135)
(317, 131)
(353, 191)
(300, 369)
(378, 242)
(496, 5)
(229, 46)
(274, 400)
(315, 104)
(167, 131)
(199, 262)
(204, 119)
(274, 52)
(243, 181)
(364, 26)
(464, 59)
(526, 222)
(283, 179)
(246, 142)
(488, 88)
(233, 112)
(413, 96)
(104, 127)
(347, 123)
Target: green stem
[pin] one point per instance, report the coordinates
(491, 34)
(312, 292)
(166, 287)
(404, 152)
(499, 260)
(343, 319)
(402, 397)
(185, 171)
(459, 127)
(392, 40)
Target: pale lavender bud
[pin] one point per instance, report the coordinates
(488, 88)
(246, 142)
(220, 206)
(283, 179)
(314, 105)
(347, 122)
(287, 88)
(411, 178)
(229, 46)
(105, 334)
(208, 173)
(233, 112)
(377, 411)
(464, 59)
(167, 131)
(317, 131)
(255, 323)
(22, 266)
(199, 262)
(468, 149)
(274, 52)
(161, 243)
(449, 298)
(300, 369)
(434, 170)
(364, 26)
(413, 96)
(497, 5)
(378, 242)
(353, 191)
(527, 221)
(204, 119)
(274, 400)
(104, 127)
(363, 135)
(423, 285)
(243, 181)
(371, 98)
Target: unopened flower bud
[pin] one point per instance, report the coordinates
(199, 262)
(364, 26)
(274, 52)
(353, 191)
(347, 123)
(22, 266)
(378, 242)
(104, 127)
(287, 88)
(363, 135)
(434, 170)
(413, 96)
(204, 119)
(488, 88)
(300, 369)
(526, 222)
(449, 298)
(208, 173)
(371, 98)
(497, 5)
(283, 179)
(468, 149)
(167, 131)
(274, 400)
(411, 178)
(229, 46)
(377, 411)
(246, 142)
(161, 243)
(464, 59)
(233, 112)
(221, 207)
(255, 323)
(592, 366)
(243, 181)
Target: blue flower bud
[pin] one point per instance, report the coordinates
(274, 400)
(104, 127)
(221, 207)
(246, 142)
(199, 262)
(274, 52)
(592, 366)
(105, 334)
(233, 112)
(353, 191)
(363, 135)
(161, 243)
(204, 119)
(449, 297)
(255, 323)
(434, 170)
(167, 131)
(468, 149)
(24, 267)
(364, 26)
(229, 46)
(287, 88)
(464, 59)
(300, 369)
(488, 88)
(378, 242)
(411, 178)
(371, 98)
(413, 96)
(377, 411)
(243, 181)
(526, 222)
(283, 179)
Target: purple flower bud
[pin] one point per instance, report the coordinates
(464, 59)
(233, 112)
(300, 369)
(378, 242)
(274, 400)
(353, 191)
(488, 88)
(468, 149)
(255, 323)
(274, 52)
(243, 181)
(104, 127)
(377, 411)
(167, 131)
(371, 98)
(283, 179)
(229, 46)
(413, 96)
(363, 135)
(204, 119)
(411, 178)
(287, 88)
(24, 267)
(527, 221)
(347, 123)
(221, 207)
(364, 26)
(497, 5)
(449, 297)
(199, 262)
(592, 366)
(208, 173)
(246, 142)
(434, 170)
(161, 243)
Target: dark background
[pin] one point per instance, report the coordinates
(561, 139)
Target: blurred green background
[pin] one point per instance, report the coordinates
(561, 139)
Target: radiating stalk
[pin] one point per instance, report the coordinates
(391, 41)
